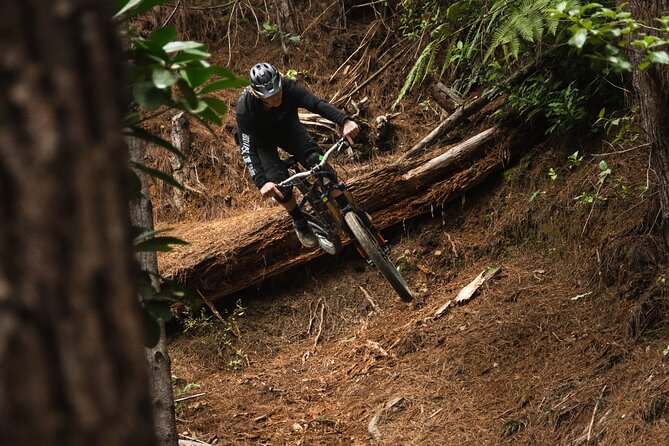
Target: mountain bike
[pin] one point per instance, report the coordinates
(326, 219)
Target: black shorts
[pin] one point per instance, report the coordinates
(294, 140)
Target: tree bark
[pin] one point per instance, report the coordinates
(230, 255)
(652, 90)
(287, 19)
(181, 168)
(451, 156)
(71, 335)
(157, 357)
(447, 98)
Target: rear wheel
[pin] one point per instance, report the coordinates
(376, 254)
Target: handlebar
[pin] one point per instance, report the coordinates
(339, 146)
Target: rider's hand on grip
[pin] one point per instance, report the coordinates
(350, 130)
(270, 190)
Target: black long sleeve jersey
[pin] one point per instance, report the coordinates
(258, 126)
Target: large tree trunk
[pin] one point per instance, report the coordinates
(73, 370)
(229, 255)
(652, 89)
(157, 357)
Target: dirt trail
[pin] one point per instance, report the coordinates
(554, 350)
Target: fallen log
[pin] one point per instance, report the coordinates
(447, 98)
(448, 124)
(229, 255)
(462, 113)
(452, 155)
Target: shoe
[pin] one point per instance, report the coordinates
(305, 235)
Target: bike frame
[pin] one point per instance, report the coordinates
(369, 241)
(326, 188)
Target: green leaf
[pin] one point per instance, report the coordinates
(589, 6)
(200, 106)
(140, 133)
(603, 166)
(660, 57)
(606, 12)
(162, 36)
(149, 96)
(151, 329)
(209, 115)
(173, 47)
(196, 76)
(579, 38)
(664, 20)
(561, 7)
(219, 106)
(159, 310)
(622, 66)
(158, 174)
(190, 99)
(125, 5)
(132, 8)
(185, 59)
(163, 78)
(613, 33)
(198, 53)
(145, 235)
(235, 82)
(160, 244)
(611, 50)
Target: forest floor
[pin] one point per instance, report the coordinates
(554, 349)
(564, 346)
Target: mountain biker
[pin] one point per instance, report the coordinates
(267, 119)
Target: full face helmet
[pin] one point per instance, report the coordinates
(265, 80)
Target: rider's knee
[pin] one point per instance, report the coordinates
(312, 159)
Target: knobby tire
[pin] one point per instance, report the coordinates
(375, 253)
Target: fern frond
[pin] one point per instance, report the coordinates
(419, 69)
(522, 21)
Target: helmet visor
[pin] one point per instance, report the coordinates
(268, 89)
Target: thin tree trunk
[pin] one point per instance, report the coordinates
(158, 359)
(287, 19)
(181, 168)
(652, 89)
(71, 336)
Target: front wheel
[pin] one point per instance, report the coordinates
(376, 254)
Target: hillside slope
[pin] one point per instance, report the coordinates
(563, 347)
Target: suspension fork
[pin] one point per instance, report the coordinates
(352, 207)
